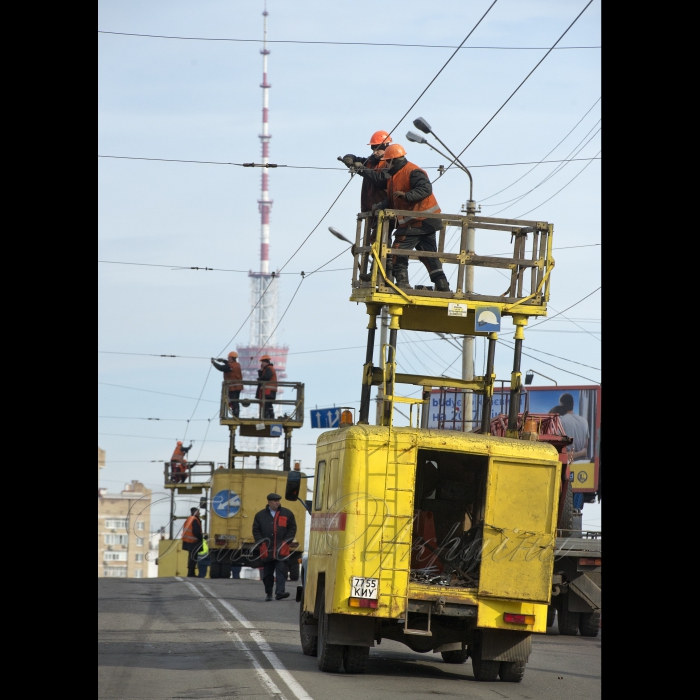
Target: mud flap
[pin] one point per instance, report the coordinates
(351, 629)
(505, 645)
(586, 590)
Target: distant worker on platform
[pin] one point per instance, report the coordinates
(274, 529)
(409, 188)
(232, 373)
(178, 463)
(192, 540)
(267, 374)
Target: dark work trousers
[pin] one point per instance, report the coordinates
(275, 570)
(422, 238)
(269, 408)
(233, 396)
(192, 548)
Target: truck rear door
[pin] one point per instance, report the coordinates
(519, 530)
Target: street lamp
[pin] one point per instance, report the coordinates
(529, 375)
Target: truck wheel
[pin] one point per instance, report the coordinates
(458, 656)
(566, 522)
(215, 570)
(588, 624)
(485, 670)
(308, 643)
(294, 567)
(551, 614)
(355, 659)
(568, 621)
(330, 656)
(512, 671)
(225, 569)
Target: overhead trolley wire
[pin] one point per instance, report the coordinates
(342, 43)
(517, 88)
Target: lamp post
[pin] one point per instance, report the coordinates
(470, 244)
(531, 373)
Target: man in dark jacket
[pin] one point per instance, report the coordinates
(274, 528)
(267, 374)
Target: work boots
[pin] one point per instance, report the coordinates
(442, 285)
(401, 277)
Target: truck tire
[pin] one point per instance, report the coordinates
(330, 656)
(308, 643)
(225, 568)
(294, 566)
(458, 656)
(512, 671)
(568, 621)
(551, 614)
(215, 570)
(485, 670)
(589, 624)
(566, 522)
(355, 659)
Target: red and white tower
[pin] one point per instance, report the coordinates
(264, 284)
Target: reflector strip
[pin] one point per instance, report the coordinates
(514, 619)
(362, 603)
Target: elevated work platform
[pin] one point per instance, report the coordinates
(252, 412)
(454, 311)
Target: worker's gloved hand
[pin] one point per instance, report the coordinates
(348, 159)
(400, 194)
(377, 207)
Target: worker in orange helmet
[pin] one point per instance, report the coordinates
(232, 378)
(268, 375)
(373, 188)
(409, 188)
(178, 463)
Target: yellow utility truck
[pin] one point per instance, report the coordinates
(439, 539)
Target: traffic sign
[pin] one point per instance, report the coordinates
(325, 418)
(226, 503)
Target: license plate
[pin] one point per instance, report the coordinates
(364, 587)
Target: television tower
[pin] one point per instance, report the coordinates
(264, 284)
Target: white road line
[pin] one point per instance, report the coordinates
(266, 649)
(265, 679)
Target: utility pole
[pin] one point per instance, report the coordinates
(384, 325)
(468, 340)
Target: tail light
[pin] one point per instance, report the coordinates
(513, 619)
(590, 562)
(362, 603)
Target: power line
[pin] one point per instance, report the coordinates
(178, 420)
(566, 309)
(444, 65)
(519, 86)
(345, 43)
(311, 167)
(150, 437)
(151, 391)
(483, 199)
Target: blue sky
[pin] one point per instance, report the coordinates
(201, 100)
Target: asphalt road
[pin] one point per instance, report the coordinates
(189, 638)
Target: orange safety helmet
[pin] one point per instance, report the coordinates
(233, 353)
(265, 357)
(179, 442)
(379, 137)
(396, 150)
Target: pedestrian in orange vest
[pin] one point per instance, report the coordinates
(192, 539)
(232, 376)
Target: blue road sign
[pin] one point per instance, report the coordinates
(488, 319)
(325, 418)
(226, 504)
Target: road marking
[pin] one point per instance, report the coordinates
(240, 644)
(266, 649)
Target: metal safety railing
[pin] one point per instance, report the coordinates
(194, 473)
(373, 255)
(245, 411)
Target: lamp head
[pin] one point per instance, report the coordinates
(422, 125)
(416, 138)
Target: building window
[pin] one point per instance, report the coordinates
(116, 539)
(114, 556)
(139, 558)
(139, 541)
(139, 525)
(138, 573)
(115, 572)
(116, 524)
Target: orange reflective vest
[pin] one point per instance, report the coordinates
(232, 374)
(187, 531)
(271, 383)
(401, 182)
